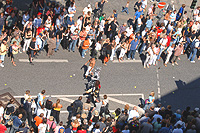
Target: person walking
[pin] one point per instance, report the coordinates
(90, 67)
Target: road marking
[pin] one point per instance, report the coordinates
(140, 110)
(64, 96)
(158, 83)
(44, 60)
(68, 100)
(158, 90)
(157, 76)
(127, 61)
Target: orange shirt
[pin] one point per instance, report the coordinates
(86, 44)
(38, 120)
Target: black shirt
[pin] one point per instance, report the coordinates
(32, 45)
(59, 33)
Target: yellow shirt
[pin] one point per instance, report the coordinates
(3, 48)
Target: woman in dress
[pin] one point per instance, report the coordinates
(14, 48)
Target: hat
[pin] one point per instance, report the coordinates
(51, 118)
(89, 5)
(196, 109)
(40, 34)
(39, 13)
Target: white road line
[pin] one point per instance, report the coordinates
(158, 83)
(127, 61)
(140, 110)
(64, 96)
(158, 90)
(67, 99)
(44, 60)
(157, 76)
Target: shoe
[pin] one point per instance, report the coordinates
(165, 65)
(133, 58)
(85, 53)
(176, 63)
(1, 65)
(83, 57)
(172, 64)
(31, 63)
(144, 67)
(128, 58)
(68, 50)
(73, 51)
(192, 61)
(147, 66)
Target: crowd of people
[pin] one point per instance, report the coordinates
(42, 115)
(47, 25)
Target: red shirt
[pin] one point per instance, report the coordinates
(169, 40)
(2, 128)
(81, 131)
(40, 30)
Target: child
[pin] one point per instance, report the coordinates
(14, 50)
(125, 9)
(169, 53)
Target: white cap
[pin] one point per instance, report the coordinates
(89, 5)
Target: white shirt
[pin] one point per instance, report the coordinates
(44, 111)
(71, 9)
(197, 43)
(79, 24)
(170, 49)
(196, 11)
(139, 22)
(43, 127)
(98, 46)
(117, 39)
(48, 23)
(143, 33)
(150, 51)
(86, 10)
(163, 42)
(129, 31)
(133, 113)
(73, 27)
(144, 3)
(38, 43)
(88, 28)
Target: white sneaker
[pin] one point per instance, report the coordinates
(133, 58)
(1, 65)
(128, 58)
(192, 61)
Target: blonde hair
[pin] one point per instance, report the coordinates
(152, 93)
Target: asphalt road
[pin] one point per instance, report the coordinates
(179, 85)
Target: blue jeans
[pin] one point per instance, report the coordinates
(133, 53)
(83, 52)
(193, 54)
(142, 47)
(161, 50)
(1, 27)
(57, 43)
(125, 10)
(72, 45)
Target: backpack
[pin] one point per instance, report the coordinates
(48, 104)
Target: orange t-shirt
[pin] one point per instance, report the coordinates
(38, 120)
(86, 44)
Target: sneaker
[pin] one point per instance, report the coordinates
(172, 64)
(128, 58)
(83, 57)
(176, 63)
(1, 65)
(133, 58)
(192, 61)
(31, 63)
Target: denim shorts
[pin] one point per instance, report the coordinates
(2, 57)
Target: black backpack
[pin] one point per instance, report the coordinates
(48, 104)
(51, 129)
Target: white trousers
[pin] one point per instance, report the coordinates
(26, 44)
